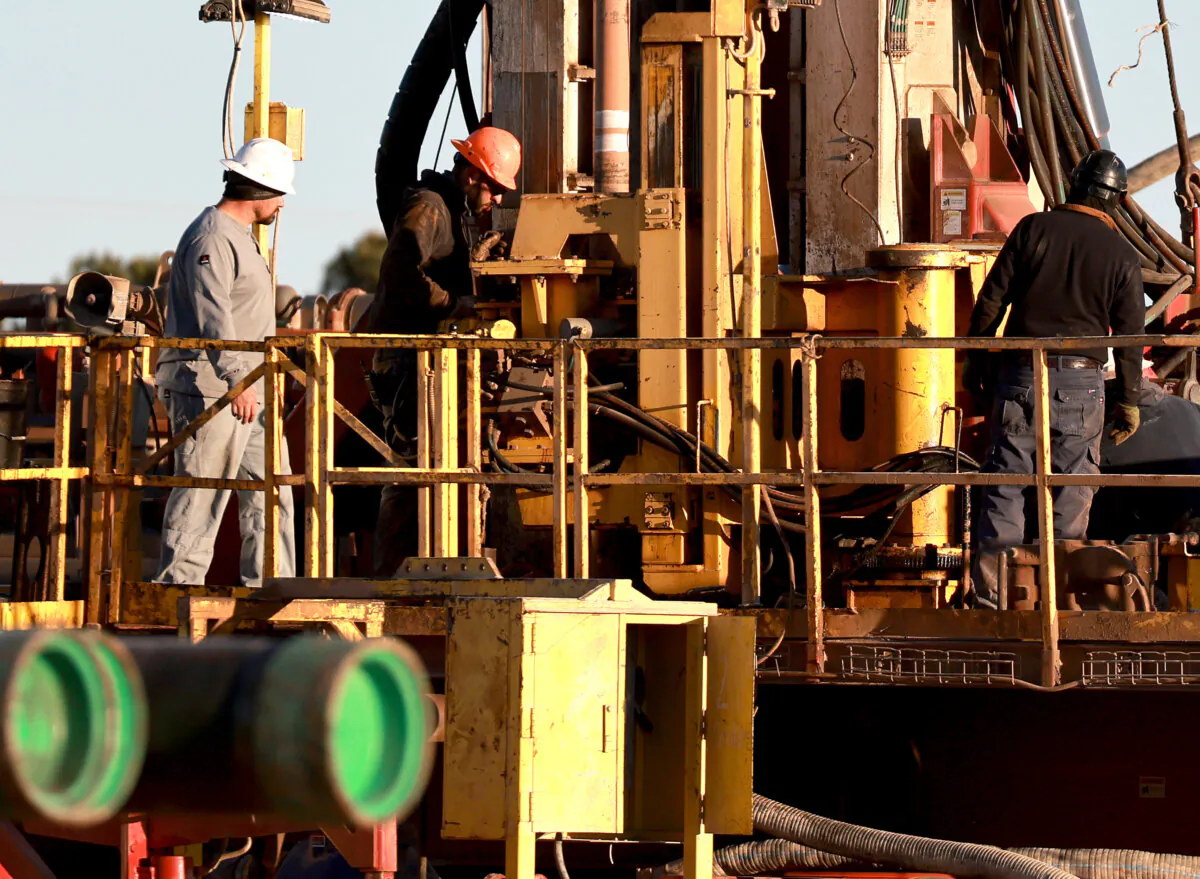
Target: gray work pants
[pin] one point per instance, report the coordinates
(1076, 422)
(224, 448)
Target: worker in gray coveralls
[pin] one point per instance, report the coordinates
(221, 289)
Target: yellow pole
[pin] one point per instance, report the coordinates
(261, 126)
(1042, 467)
(751, 320)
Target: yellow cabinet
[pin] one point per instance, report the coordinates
(612, 716)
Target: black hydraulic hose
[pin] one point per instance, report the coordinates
(1073, 138)
(962, 859)
(1171, 248)
(1023, 100)
(1048, 134)
(1153, 242)
(792, 586)
(416, 100)
(498, 458)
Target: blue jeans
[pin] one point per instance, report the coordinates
(1076, 422)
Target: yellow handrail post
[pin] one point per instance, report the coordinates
(271, 456)
(1045, 506)
(812, 519)
(56, 570)
(582, 464)
(559, 441)
(474, 449)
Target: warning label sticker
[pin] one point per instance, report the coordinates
(954, 199)
(952, 223)
(1152, 787)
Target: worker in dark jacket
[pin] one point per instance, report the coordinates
(1066, 273)
(424, 279)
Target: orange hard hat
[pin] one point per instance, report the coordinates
(493, 151)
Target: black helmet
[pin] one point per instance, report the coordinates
(1102, 175)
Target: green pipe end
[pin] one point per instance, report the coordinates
(341, 730)
(75, 726)
(377, 732)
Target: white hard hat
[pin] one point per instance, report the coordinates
(267, 162)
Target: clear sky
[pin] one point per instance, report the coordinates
(110, 119)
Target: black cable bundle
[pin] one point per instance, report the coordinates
(1058, 133)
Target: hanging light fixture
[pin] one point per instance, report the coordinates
(311, 10)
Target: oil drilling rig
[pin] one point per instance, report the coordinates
(693, 486)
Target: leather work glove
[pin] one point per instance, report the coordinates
(1125, 423)
(975, 373)
(490, 245)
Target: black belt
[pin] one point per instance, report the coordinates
(1059, 361)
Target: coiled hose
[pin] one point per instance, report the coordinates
(961, 859)
(769, 856)
(779, 855)
(1103, 863)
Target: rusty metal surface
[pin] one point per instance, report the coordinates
(355, 589)
(156, 604)
(989, 625)
(202, 617)
(409, 622)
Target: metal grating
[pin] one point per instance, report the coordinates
(929, 666)
(1155, 668)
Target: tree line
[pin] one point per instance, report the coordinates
(356, 265)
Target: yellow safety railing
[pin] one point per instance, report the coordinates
(60, 473)
(438, 472)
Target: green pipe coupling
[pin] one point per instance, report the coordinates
(74, 726)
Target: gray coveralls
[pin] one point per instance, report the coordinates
(220, 289)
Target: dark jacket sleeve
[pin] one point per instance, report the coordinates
(1001, 286)
(422, 234)
(1127, 317)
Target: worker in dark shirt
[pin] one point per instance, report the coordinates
(425, 278)
(1064, 273)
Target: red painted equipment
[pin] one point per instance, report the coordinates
(976, 190)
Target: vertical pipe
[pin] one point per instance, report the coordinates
(312, 459)
(271, 466)
(1045, 507)
(444, 423)
(59, 488)
(797, 23)
(559, 441)
(697, 839)
(812, 519)
(1074, 35)
(262, 98)
(474, 447)
(752, 321)
(424, 447)
(122, 494)
(1195, 250)
(98, 449)
(325, 496)
(611, 138)
(582, 464)
(262, 76)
